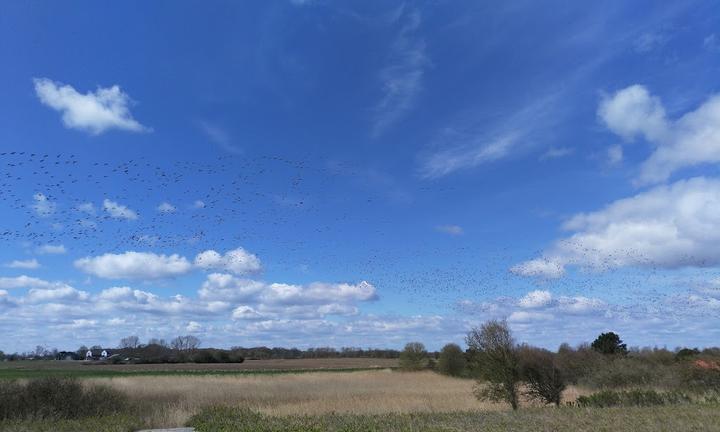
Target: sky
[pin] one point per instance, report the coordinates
(305, 173)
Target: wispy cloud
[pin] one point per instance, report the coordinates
(476, 143)
(219, 136)
(93, 112)
(402, 77)
(454, 230)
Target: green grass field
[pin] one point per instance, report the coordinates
(649, 419)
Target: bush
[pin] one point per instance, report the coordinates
(413, 357)
(57, 398)
(452, 360)
(495, 357)
(609, 343)
(545, 381)
(644, 398)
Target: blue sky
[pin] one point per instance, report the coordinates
(304, 173)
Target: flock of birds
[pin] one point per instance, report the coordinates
(54, 199)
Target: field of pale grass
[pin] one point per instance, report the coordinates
(172, 400)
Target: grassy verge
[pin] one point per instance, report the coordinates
(636, 419)
(98, 372)
(115, 423)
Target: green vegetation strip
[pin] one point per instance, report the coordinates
(99, 372)
(566, 419)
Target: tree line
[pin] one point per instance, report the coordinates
(506, 371)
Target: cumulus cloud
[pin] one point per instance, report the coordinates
(667, 226)
(93, 112)
(219, 286)
(237, 261)
(118, 211)
(60, 293)
(134, 265)
(691, 140)
(535, 299)
(23, 282)
(42, 205)
(198, 204)
(29, 264)
(50, 249)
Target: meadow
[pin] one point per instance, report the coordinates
(360, 400)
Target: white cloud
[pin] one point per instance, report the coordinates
(87, 207)
(535, 299)
(402, 78)
(49, 249)
(691, 140)
(540, 267)
(668, 226)
(227, 287)
(61, 293)
(556, 153)
(243, 312)
(632, 111)
(42, 205)
(476, 142)
(29, 264)
(454, 230)
(118, 211)
(105, 109)
(525, 316)
(193, 327)
(23, 282)
(198, 204)
(237, 261)
(220, 137)
(166, 207)
(134, 265)
(580, 305)
(650, 41)
(318, 292)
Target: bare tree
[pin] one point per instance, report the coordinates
(494, 355)
(130, 342)
(185, 343)
(40, 352)
(156, 341)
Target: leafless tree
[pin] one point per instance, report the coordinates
(130, 342)
(185, 343)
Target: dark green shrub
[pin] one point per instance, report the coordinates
(494, 357)
(452, 360)
(643, 398)
(609, 343)
(545, 381)
(686, 353)
(57, 398)
(413, 357)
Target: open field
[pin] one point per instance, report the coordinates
(177, 398)
(380, 400)
(684, 418)
(39, 368)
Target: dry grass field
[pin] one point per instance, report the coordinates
(176, 398)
